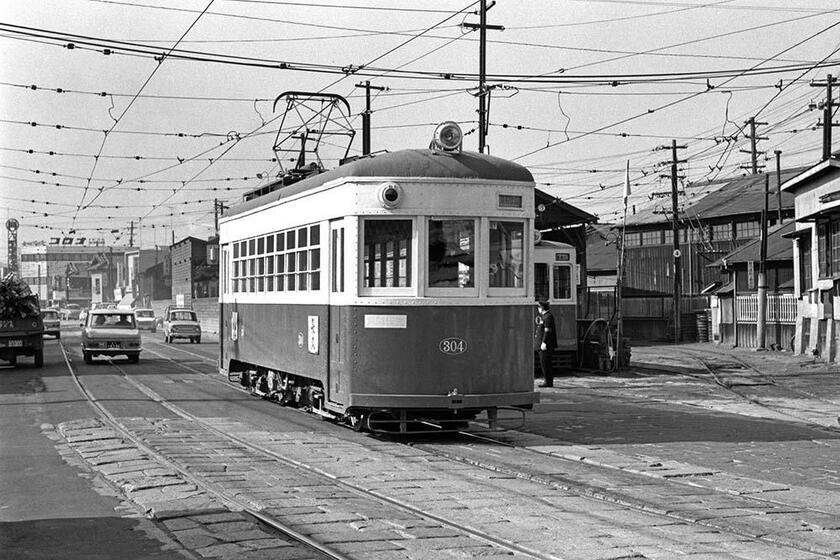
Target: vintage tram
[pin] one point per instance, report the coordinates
(393, 290)
(556, 280)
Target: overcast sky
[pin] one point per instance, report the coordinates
(580, 88)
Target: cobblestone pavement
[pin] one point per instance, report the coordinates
(712, 474)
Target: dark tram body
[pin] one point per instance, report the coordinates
(393, 289)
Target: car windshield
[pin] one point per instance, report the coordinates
(144, 313)
(49, 314)
(112, 321)
(182, 316)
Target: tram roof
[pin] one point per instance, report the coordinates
(425, 163)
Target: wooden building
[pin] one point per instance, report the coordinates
(816, 255)
(713, 224)
(734, 305)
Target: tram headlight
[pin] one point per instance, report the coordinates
(448, 137)
(390, 195)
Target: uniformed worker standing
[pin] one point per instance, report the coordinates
(546, 341)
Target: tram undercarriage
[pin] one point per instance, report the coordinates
(296, 391)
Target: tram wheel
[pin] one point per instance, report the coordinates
(359, 423)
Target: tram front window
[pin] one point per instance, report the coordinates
(451, 253)
(387, 253)
(507, 248)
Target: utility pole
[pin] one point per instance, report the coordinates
(761, 326)
(827, 106)
(218, 208)
(131, 234)
(753, 151)
(365, 117)
(675, 224)
(482, 69)
(779, 184)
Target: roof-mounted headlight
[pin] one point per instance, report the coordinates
(448, 137)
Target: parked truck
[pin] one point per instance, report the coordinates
(21, 326)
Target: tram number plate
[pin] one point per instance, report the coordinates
(453, 346)
(15, 343)
(113, 345)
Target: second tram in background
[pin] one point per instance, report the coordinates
(556, 281)
(391, 290)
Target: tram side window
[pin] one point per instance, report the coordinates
(387, 253)
(451, 253)
(562, 281)
(507, 248)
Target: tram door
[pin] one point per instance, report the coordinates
(335, 365)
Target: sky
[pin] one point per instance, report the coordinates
(125, 120)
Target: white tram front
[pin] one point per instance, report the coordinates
(391, 289)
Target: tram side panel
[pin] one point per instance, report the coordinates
(390, 357)
(278, 337)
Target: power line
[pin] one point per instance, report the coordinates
(368, 70)
(128, 108)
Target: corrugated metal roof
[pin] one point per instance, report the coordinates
(730, 197)
(558, 213)
(404, 163)
(778, 248)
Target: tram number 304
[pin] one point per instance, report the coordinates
(453, 346)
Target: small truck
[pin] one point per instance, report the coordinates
(21, 326)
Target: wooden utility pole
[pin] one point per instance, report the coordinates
(366, 115)
(482, 69)
(779, 185)
(218, 208)
(753, 151)
(131, 234)
(827, 107)
(761, 324)
(676, 233)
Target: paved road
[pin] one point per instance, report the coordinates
(662, 420)
(49, 509)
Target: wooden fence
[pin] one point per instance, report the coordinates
(601, 304)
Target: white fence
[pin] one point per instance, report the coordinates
(780, 308)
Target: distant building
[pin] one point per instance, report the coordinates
(725, 216)
(146, 276)
(195, 270)
(734, 304)
(72, 272)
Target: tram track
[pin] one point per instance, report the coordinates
(231, 502)
(736, 376)
(575, 481)
(257, 513)
(566, 484)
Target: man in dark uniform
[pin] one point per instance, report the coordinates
(546, 342)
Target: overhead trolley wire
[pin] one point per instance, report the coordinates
(368, 70)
